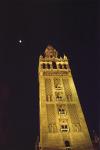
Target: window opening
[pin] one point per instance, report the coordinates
(54, 65)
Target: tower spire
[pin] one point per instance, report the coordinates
(50, 52)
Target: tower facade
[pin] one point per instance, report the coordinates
(62, 123)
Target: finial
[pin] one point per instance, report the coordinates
(41, 56)
(60, 58)
(65, 57)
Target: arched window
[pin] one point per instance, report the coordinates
(60, 66)
(48, 66)
(54, 65)
(67, 143)
(59, 96)
(57, 83)
(44, 66)
(65, 66)
(61, 111)
(69, 97)
(64, 128)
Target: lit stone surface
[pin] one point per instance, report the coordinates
(62, 123)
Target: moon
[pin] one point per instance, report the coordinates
(20, 41)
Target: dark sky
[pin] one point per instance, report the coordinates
(73, 28)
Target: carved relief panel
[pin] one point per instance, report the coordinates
(51, 117)
(57, 83)
(67, 90)
(48, 87)
(76, 126)
(59, 95)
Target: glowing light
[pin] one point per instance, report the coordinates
(20, 41)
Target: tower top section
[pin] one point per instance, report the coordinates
(50, 52)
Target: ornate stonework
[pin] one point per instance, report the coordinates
(50, 52)
(60, 111)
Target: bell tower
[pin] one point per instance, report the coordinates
(62, 123)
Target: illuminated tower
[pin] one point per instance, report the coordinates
(62, 123)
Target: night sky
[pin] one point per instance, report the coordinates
(72, 27)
